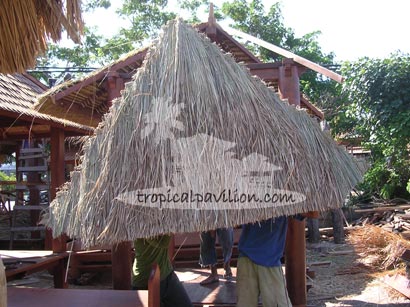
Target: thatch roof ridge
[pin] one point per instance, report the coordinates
(175, 127)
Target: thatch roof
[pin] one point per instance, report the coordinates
(18, 93)
(194, 123)
(25, 27)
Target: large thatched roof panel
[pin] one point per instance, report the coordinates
(197, 143)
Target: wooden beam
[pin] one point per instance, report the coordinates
(383, 209)
(21, 114)
(287, 54)
(267, 72)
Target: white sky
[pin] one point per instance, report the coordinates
(350, 28)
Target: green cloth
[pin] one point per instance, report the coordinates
(147, 252)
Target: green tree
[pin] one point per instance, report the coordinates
(147, 16)
(5, 177)
(377, 110)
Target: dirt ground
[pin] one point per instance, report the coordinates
(342, 279)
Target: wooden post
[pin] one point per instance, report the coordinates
(115, 84)
(295, 262)
(57, 179)
(57, 175)
(121, 266)
(289, 82)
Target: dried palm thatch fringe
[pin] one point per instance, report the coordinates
(385, 246)
(194, 120)
(25, 26)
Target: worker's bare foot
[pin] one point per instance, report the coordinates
(209, 280)
(228, 274)
(228, 271)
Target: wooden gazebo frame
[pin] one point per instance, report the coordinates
(19, 122)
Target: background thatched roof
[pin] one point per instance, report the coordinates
(195, 120)
(85, 100)
(26, 25)
(18, 93)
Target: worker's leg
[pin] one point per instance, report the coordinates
(173, 292)
(208, 257)
(225, 238)
(273, 287)
(247, 287)
(207, 254)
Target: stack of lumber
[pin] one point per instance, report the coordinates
(391, 217)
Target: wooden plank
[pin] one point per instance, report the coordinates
(22, 297)
(29, 207)
(34, 156)
(38, 186)
(31, 150)
(399, 283)
(27, 228)
(287, 54)
(382, 209)
(39, 168)
(28, 262)
(319, 263)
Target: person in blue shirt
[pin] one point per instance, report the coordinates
(259, 270)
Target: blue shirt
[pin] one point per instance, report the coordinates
(264, 242)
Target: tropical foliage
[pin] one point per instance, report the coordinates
(376, 110)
